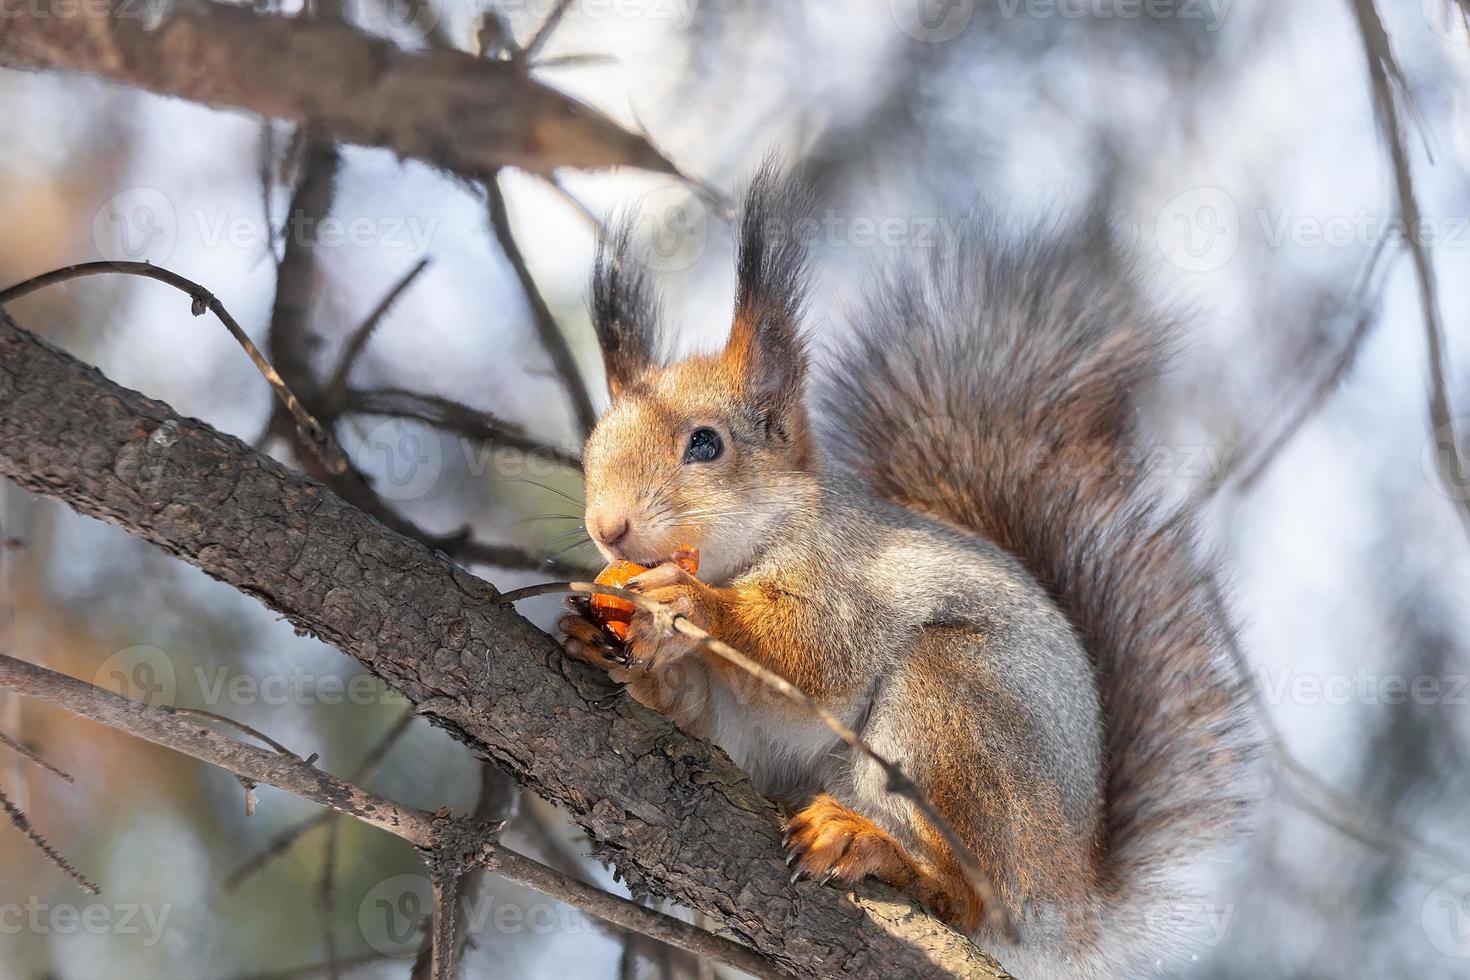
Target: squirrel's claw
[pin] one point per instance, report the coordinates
(586, 641)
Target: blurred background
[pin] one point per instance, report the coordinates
(1231, 145)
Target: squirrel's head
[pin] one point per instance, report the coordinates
(709, 452)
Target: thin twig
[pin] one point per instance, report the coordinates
(357, 341)
(1383, 71)
(543, 33)
(326, 898)
(898, 782)
(1335, 815)
(232, 723)
(552, 339)
(453, 416)
(282, 842)
(29, 753)
(1365, 300)
(598, 226)
(22, 824)
(313, 433)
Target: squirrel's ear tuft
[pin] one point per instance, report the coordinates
(625, 310)
(765, 341)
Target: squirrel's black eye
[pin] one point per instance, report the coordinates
(705, 446)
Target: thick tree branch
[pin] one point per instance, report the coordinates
(675, 815)
(466, 114)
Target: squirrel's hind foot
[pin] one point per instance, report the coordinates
(832, 842)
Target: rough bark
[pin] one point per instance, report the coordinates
(466, 114)
(672, 813)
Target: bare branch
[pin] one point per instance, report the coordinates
(1365, 302)
(43, 845)
(282, 842)
(444, 878)
(469, 115)
(239, 726)
(462, 842)
(312, 432)
(30, 754)
(455, 417)
(544, 32)
(1339, 811)
(357, 341)
(552, 339)
(1383, 72)
(326, 897)
(169, 729)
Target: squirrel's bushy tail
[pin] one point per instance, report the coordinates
(994, 387)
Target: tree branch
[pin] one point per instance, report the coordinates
(1384, 73)
(451, 845)
(468, 115)
(553, 341)
(672, 813)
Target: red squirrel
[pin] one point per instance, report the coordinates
(942, 535)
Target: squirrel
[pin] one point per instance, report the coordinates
(943, 535)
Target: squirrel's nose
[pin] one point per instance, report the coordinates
(611, 530)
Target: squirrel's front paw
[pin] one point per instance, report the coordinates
(652, 643)
(586, 641)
